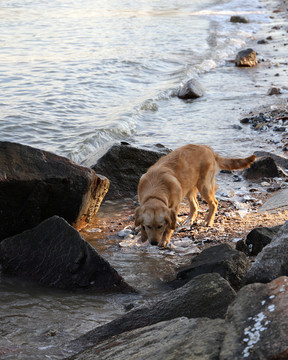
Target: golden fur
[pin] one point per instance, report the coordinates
(183, 172)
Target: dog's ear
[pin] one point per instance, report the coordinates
(138, 216)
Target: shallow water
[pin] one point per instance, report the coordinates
(75, 75)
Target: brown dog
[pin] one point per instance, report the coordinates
(183, 172)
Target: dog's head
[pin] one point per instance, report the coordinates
(155, 220)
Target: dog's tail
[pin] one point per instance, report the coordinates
(234, 164)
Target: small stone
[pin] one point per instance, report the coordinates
(245, 121)
(191, 90)
(274, 91)
(246, 58)
(239, 19)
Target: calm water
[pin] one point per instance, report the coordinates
(76, 74)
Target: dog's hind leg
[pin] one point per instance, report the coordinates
(194, 206)
(208, 193)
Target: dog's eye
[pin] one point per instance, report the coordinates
(143, 227)
(159, 226)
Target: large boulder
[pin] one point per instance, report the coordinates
(182, 338)
(35, 185)
(272, 261)
(246, 57)
(123, 165)
(280, 161)
(257, 323)
(231, 264)
(54, 254)
(192, 89)
(207, 295)
(257, 239)
(263, 167)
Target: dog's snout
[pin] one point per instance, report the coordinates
(154, 243)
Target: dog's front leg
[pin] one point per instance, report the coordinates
(166, 238)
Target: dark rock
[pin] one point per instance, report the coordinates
(257, 323)
(54, 254)
(191, 90)
(272, 261)
(246, 58)
(206, 295)
(245, 121)
(239, 19)
(274, 91)
(236, 127)
(231, 264)
(263, 41)
(258, 238)
(204, 338)
(281, 161)
(35, 185)
(123, 165)
(263, 167)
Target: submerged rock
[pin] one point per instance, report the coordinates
(204, 337)
(272, 261)
(206, 295)
(36, 184)
(123, 165)
(54, 254)
(257, 323)
(246, 58)
(231, 264)
(191, 90)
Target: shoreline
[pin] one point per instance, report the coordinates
(269, 73)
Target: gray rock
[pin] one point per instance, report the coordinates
(191, 90)
(277, 201)
(272, 261)
(258, 238)
(206, 295)
(246, 58)
(54, 254)
(263, 167)
(182, 338)
(257, 323)
(280, 161)
(239, 19)
(35, 185)
(231, 264)
(123, 165)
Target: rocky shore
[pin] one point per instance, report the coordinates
(227, 300)
(243, 247)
